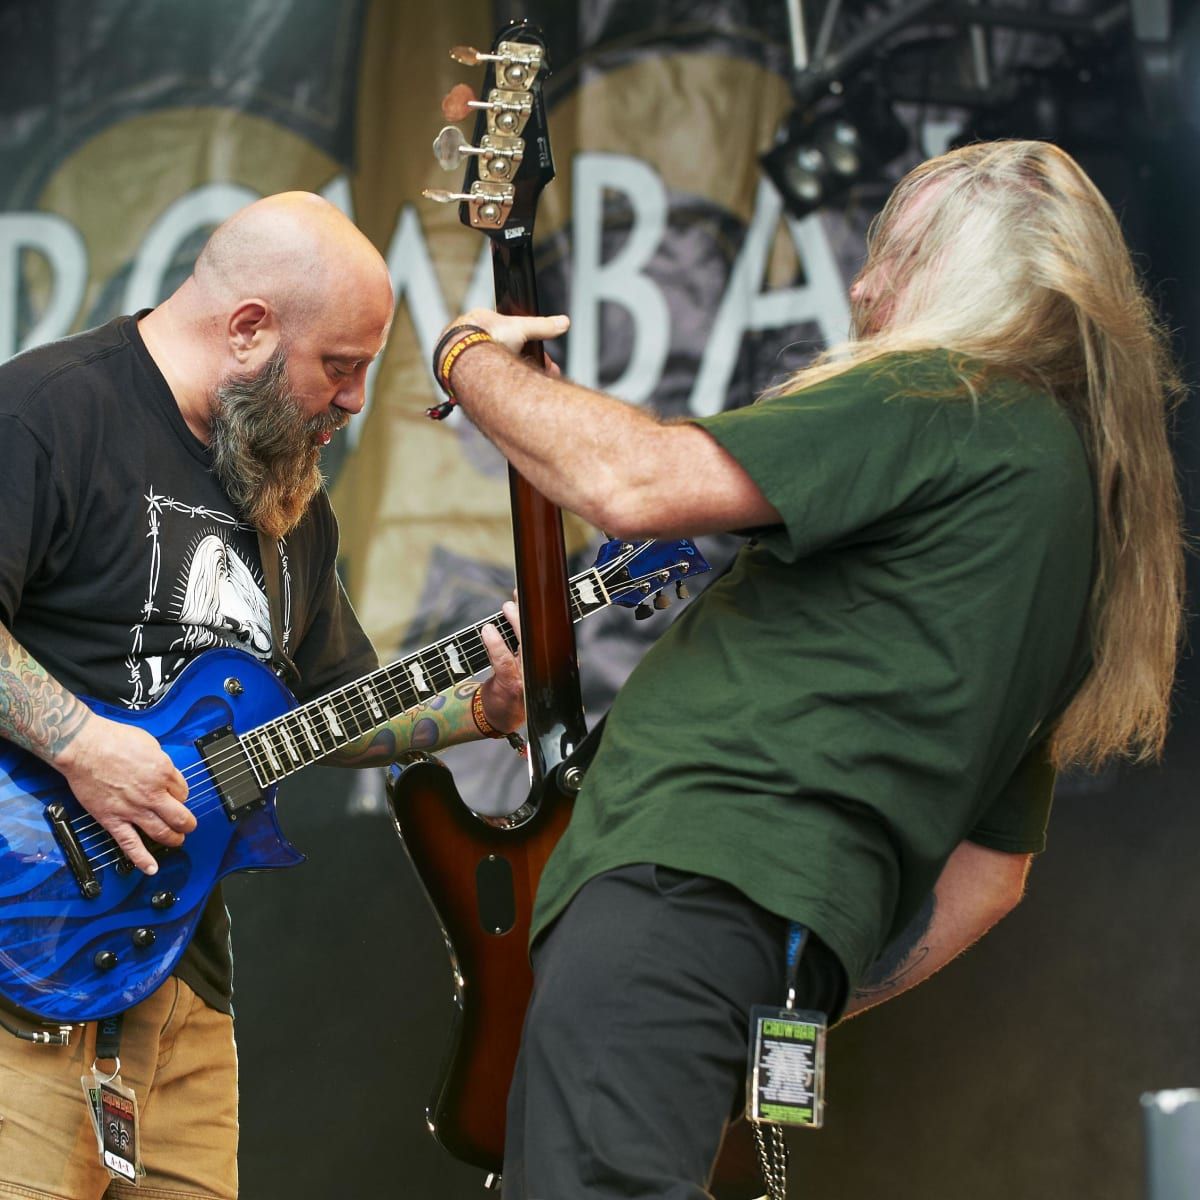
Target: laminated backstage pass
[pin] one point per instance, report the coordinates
(121, 1153)
(786, 1083)
(91, 1092)
(114, 1112)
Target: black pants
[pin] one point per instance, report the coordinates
(633, 1057)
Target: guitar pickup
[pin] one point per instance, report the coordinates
(232, 772)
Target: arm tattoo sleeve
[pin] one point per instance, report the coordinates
(441, 721)
(901, 956)
(36, 711)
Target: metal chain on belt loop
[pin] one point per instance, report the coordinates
(772, 1159)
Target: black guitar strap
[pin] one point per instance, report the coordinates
(268, 552)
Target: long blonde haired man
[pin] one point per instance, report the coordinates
(965, 572)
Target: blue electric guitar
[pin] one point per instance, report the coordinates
(83, 935)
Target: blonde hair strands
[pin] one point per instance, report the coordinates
(1008, 253)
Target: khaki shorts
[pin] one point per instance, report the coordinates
(177, 1055)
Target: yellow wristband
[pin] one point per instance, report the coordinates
(480, 717)
(472, 338)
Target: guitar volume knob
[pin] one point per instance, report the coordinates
(105, 960)
(143, 936)
(163, 899)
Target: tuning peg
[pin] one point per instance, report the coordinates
(498, 156)
(643, 611)
(488, 209)
(662, 600)
(519, 62)
(469, 56)
(456, 104)
(681, 589)
(507, 112)
(441, 196)
(448, 148)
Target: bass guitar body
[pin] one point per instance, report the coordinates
(480, 875)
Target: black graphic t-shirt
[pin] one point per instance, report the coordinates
(121, 557)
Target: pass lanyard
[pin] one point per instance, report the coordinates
(797, 939)
(108, 1038)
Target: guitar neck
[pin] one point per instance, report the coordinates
(286, 744)
(553, 700)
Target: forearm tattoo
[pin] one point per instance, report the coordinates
(443, 720)
(36, 711)
(900, 957)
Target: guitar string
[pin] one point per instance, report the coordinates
(95, 841)
(474, 652)
(349, 709)
(354, 710)
(357, 710)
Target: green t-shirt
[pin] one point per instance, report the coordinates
(872, 682)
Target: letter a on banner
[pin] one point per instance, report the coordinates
(821, 300)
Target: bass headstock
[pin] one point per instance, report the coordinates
(508, 160)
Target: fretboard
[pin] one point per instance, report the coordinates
(308, 733)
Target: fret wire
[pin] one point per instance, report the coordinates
(296, 733)
(281, 754)
(460, 657)
(282, 736)
(320, 724)
(374, 708)
(403, 687)
(256, 761)
(347, 713)
(441, 668)
(385, 688)
(418, 673)
(431, 674)
(308, 730)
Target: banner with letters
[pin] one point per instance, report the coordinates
(132, 128)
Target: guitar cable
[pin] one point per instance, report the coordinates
(41, 1037)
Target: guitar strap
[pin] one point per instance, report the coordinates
(268, 552)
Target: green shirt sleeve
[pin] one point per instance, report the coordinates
(839, 457)
(1015, 821)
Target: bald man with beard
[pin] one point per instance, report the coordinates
(143, 465)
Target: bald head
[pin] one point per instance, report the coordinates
(297, 252)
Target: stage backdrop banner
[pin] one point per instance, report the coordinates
(131, 127)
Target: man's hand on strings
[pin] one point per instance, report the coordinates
(120, 774)
(503, 692)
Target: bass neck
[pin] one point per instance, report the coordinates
(553, 699)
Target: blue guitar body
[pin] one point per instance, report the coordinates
(52, 938)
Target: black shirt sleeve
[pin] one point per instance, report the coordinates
(30, 506)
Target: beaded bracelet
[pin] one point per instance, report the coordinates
(458, 338)
(480, 717)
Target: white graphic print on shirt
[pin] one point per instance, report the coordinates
(200, 582)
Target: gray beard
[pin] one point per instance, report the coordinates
(264, 449)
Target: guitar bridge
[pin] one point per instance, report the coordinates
(73, 851)
(232, 772)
